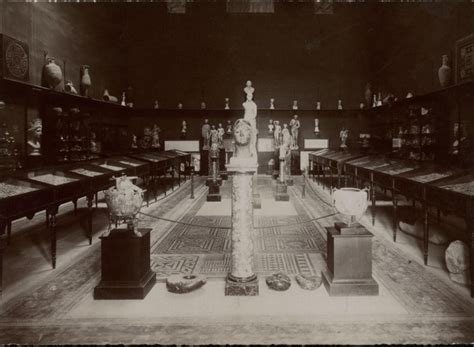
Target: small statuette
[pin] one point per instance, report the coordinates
(339, 104)
(156, 105)
(361, 106)
(35, 132)
(85, 80)
(69, 87)
(343, 135)
(205, 134)
(180, 106)
(134, 141)
(184, 129)
(409, 95)
(203, 105)
(220, 135)
(294, 126)
(271, 127)
(295, 105)
(123, 103)
(316, 126)
(249, 90)
(272, 104)
(227, 107)
(229, 128)
(374, 101)
(379, 101)
(155, 141)
(318, 105)
(279, 282)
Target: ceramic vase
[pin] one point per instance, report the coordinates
(125, 199)
(444, 72)
(85, 80)
(52, 74)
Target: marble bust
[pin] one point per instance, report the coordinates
(34, 137)
(295, 105)
(248, 88)
(242, 139)
(272, 104)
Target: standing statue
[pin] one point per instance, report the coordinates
(285, 149)
(229, 128)
(220, 135)
(344, 134)
(272, 104)
(277, 134)
(155, 142)
(205, 133)
(184, 129)
(227, 107)
(250, 115)
(214, 135)
(295, 126)
(286, 136)
(271, 127)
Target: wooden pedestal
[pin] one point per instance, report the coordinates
(281, 192)
(349, 260)
(126, 272)
(214, 192)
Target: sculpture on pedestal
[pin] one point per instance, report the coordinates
(295, 105)
(277, 134)
(250, 115)
(214, 136)
(220, 135)
(203, 105)
(226, 107)
(295, 126)
(205, 134)
(248, 88)
(272, 104)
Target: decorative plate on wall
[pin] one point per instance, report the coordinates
(15, 59)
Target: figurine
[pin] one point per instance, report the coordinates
(156, 105)
(248, 88)
(379, 101)
(184, 129)
(69, 87)
(205, 133)
(250, 115)
(94, 148)
(134, 141)
(226, 107)
(277, 134)
(295, 105)
(155, 137)
(295, 126)
(180, 106)
(316, 126)
(229, 128)
(123, 103)
(34, 140)
(203, 105)
(343, 134)
(339, 104)
(214, 136)
(361, 106)
(220, 135)
(271, 127)
(272, 104)
(318, 105)
(374, 101)
(286, 136)
(85, 80)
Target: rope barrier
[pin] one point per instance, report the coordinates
(227, 228)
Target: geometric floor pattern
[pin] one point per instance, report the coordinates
(281, 243)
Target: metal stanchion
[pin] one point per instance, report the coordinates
(192, 183)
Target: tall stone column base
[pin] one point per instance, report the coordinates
(241, 287)
(282, 192)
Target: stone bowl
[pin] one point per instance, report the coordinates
(350, 201)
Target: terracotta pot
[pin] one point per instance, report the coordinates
(444, 72)
(52, 74)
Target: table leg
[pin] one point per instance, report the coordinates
(395, 217)
(2, 247)
(426, 233)
(96, 199)
(90, 200)
(52, 230)
(470, 230)
(372, 191)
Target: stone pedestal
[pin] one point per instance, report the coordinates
(242, 280)
(349, 260)
(214, 189)
(281, 187)
(126, 272)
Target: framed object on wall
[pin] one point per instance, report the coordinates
(465, 59)
(15, 59)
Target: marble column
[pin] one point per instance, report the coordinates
(242, 280)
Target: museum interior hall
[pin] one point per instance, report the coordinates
(236, 172)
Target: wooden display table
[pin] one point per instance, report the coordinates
(349, 260)
(126, 272)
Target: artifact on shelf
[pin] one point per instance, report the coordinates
(205, 134)
(374, 102)
(226, 107)
(318, 105)
(203, 105)
(123, 102)
(35, 132)
(444, 72)
(86, 82)
(52, 75)
(295, 105)
(309, 282)
(272, 104)
(184, 129)
(316, 127)
(134, 143)
(278, 281)
(229, 127)
(69, 87)
(181, 284)
(361, 106)
(343, 135)
(124, 201)
(156, 105)
(249, 89)
(295, 128)
(94, 145)
(271, 127)
(180, 106)
(108, 97)
(339, 104)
